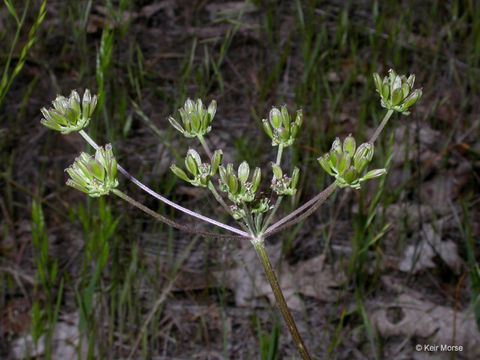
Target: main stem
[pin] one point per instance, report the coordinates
(282, 304)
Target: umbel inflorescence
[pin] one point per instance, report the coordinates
(236, 188)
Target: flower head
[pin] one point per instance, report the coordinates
(396, 91)
(347, 162)
(95, 176)
(201, 172)
(69, 114)
(196, 118)
(237, 184)
(280, 128)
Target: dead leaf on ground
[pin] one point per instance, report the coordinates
(420, 257)
(409, 316)
(310, 278)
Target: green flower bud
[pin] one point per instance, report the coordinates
(349, 145)
(275, 118)
(285, 118)
(267, 128)
(212, 110)
(256, 177)
(299, 118)
(216, 160)
(232, 184)
(175, 124)
(179, 173)
(74, 103)
(277, 171)
(192, 162)
(372, 174)
(365, 150)
(324, 161)
(243, 172)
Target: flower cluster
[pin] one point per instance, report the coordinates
(201, 172)
(95, 176)
(196, 118)
(348, 162)
(282, 184)
(396, 91)
(236, 184)
(280, 128)
(70, 114)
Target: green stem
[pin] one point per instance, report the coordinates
(381, 126)
(167, 221)
(280, 198)
(309, 207)
(219, 198)
(270, 217)
(282, 304)
(204, 145)
(248, 219)
(279, 154)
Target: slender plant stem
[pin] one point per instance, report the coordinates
(314, 203)
(165, 200)
(282, 304)
(270, 217)
(219, 198)
(172, 223)
(248, 219)
(204, 145)
(381, 126)
(279, 154)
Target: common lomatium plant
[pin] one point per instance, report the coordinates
(236, 188)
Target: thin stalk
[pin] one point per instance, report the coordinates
(282, 304)
(311, 205)
(279, 154)
(280, 198)
(204, 145)
(381, 126)
(248, 218)
(219, 198)
(165, 200)
(270, 217)
(169, 222)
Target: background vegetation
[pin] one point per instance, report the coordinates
(96, 278)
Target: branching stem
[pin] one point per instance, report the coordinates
(311, 205)
(165, 200)
(169, 222)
